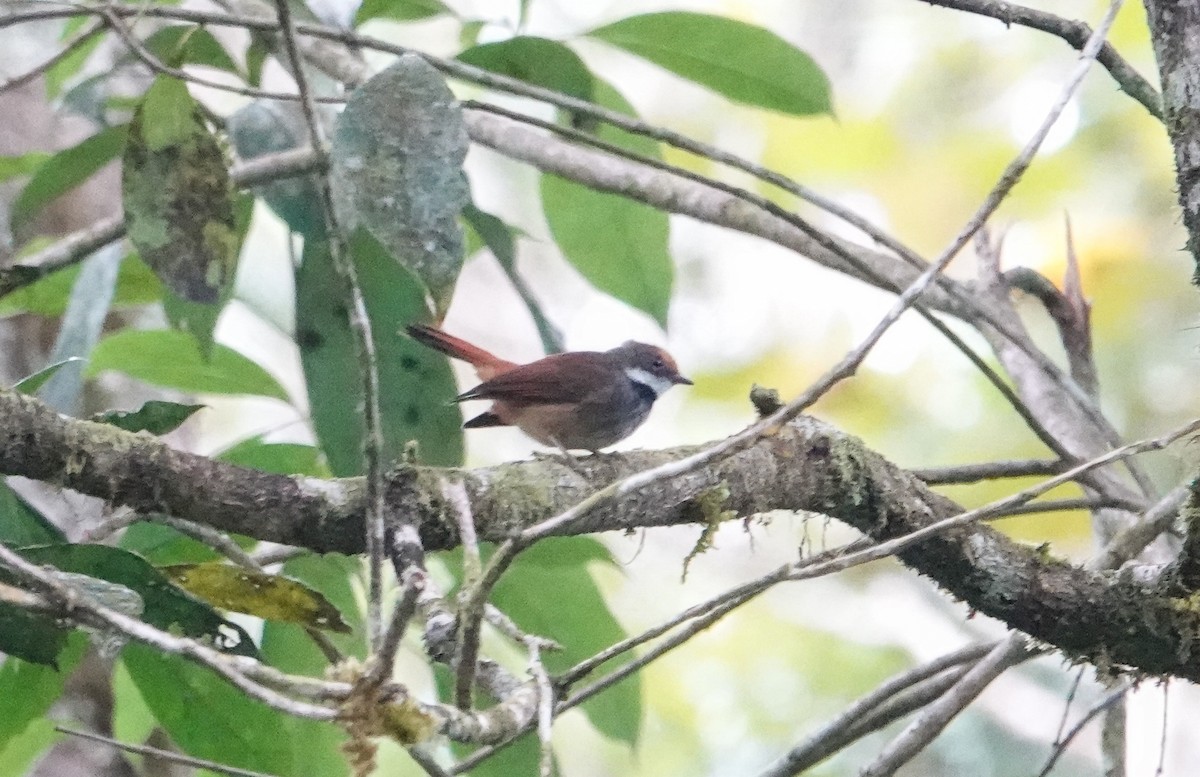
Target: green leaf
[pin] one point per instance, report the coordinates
(167, 358)
(287, 647)
(414, 381)
(160, 545)
(743, 62)
(28, 690)
(270, 597)
(190, 44)
(500, 238)
(538, 61)
(14, 166)
(268, 127)
(283, 458)
(399, 10)
(577, 617)
(24, 750)
(209, 718)
(31, 383)
(177, 195)
(30, 637)
(521, 757)
(620, 246)
(66, 170)
(21, 525)
(136, 285)
(23, 634)
(396, 169)
(155, 416)
(164, 605)
(69, 66)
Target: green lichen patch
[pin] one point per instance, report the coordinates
(177, 195)
(711, 502)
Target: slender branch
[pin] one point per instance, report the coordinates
(166, 755)
(934, 718)
(1075, 33)
(404, 538)
(847, 727)
(68, 48)
(74, 247)
(991, 470)
(146, 57)
(1063, 743)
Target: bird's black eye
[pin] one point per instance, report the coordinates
(659, 364)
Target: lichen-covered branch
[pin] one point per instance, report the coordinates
(806, 466)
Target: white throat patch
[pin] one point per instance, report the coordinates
(656, 383)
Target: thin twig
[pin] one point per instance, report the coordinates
(471, 605)
(545, 717)
(68, 48)
(74, 247)
(934, 718)
(360, 324)
(426, 762)
(146, 57)
(992, 470)
(1061, 746)
(1133, 539)
(832, 736)
(402, 613)
(1075, 33)
(166, 755)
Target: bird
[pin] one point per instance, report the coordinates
(580, 400)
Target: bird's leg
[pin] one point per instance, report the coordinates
(563, 456)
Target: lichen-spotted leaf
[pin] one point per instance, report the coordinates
(178, 201)
(272, 597)
(396, 169)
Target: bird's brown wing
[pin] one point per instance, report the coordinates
(557, 379)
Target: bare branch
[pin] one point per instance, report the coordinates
(1074, 32)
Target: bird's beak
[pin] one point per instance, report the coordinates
(680, 380)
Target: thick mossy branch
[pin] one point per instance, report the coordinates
(806, 466)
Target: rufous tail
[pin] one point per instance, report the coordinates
(487, 364)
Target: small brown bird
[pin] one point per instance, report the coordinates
(584, 400)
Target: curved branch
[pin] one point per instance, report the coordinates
(806, 466)
(1075, 33)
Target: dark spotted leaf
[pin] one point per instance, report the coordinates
(415, 381)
